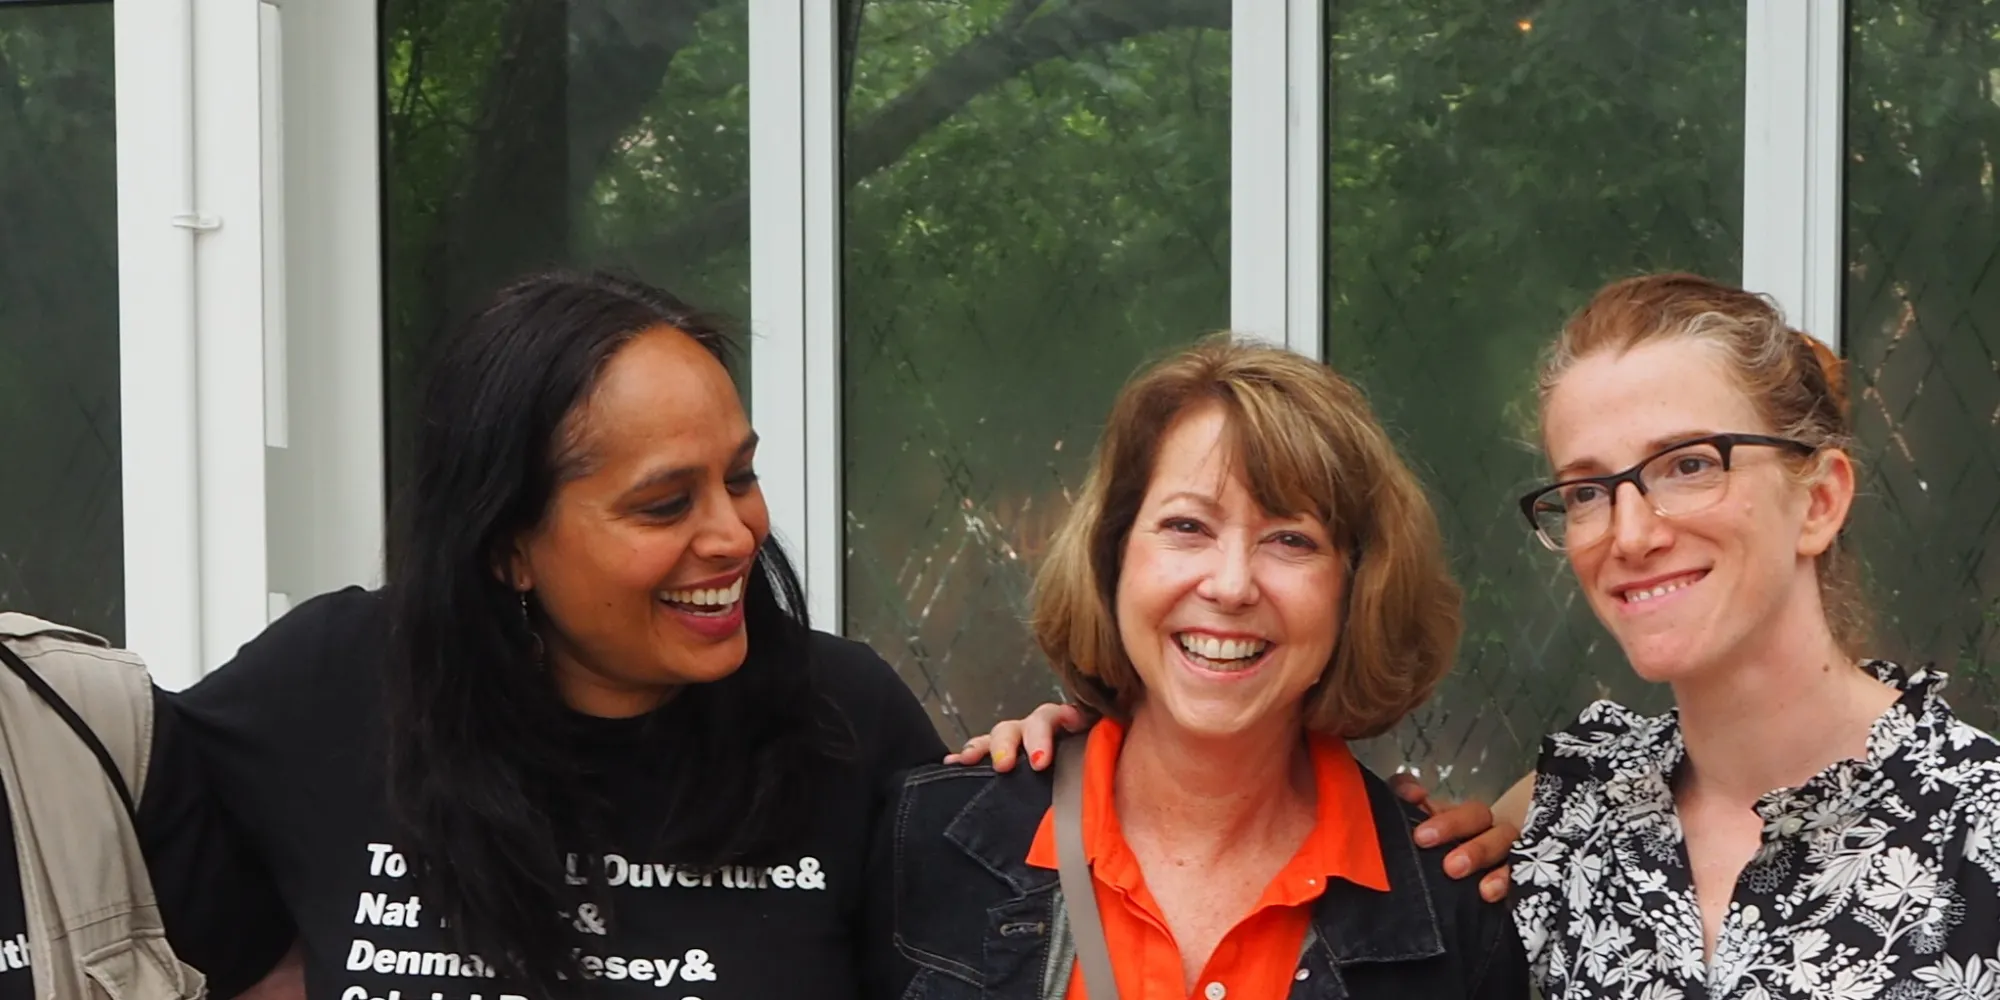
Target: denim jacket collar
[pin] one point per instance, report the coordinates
(990, 831)
(1354, 924)
(1351, 924)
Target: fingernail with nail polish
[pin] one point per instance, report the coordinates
(1038, 757)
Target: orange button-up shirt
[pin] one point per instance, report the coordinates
(1256, 960)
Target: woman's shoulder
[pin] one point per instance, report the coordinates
(847, 666)
(1611, 756)
(1945, 748)
(1608, 740)
(1478, 936)
(327, 645)
(889, 723)
(935, 796)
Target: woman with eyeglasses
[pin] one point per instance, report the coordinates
(1807, 821)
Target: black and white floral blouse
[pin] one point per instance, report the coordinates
(1879, 879)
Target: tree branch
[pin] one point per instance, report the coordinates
(979, 66)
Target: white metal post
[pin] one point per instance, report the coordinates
(777, 265)
(271, 181)
(326, 487)
(1793, 105)
(1305, 178)
(826, 529)
(229, 292)
(192, 257)
(1276, 163)
(1826, 141)
(158, 224)
(1258, 162)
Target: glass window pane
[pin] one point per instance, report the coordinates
(1488, 169)
(585, 133)
(1922, 331)
(61, 508)
(1034, 207)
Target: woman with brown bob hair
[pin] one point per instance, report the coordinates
(1250, 578)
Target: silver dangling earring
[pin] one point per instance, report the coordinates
(528, 624)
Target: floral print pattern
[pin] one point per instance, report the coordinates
(1878, 879)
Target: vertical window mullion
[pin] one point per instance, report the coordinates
(1258, 169)
(1305, 218)
(1794, 57)
(782, 311)
(1826, 67)
(229, 361)
(825, 593)
(157, 214)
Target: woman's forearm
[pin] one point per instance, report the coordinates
(1512, 807)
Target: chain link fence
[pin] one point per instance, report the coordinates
(1922, 332)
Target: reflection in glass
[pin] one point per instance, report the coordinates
(529, 135)
(1034, 206)
(61, 509)
(1922, 318)
(1487, 170)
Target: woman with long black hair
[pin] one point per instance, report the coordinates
(583, 742)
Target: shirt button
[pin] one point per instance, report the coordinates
(1302, 974)
(1791, 825)
(1215, 991)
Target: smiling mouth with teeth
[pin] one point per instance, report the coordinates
(1222, 654)
(712, 601)
(1637, 596)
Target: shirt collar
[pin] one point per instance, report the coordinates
(1343, 843)
(1837, 796)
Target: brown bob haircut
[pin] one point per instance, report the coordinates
(1305, 443)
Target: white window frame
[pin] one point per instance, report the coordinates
(795, 287)
(326, 484)
(191, 329)
(226, 441)
(1277, 166)
(159, 433)
(221, 533)
(1277, 154)
(1794, 103)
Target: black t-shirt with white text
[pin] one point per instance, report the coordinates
(292, 727)
(16, 980)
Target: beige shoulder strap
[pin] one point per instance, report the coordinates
(1086, 927)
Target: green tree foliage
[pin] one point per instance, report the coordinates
(1490, 167)
(1923, 329)
(1036, 200)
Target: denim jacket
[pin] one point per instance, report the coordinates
(968, 917)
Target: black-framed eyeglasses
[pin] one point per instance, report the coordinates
(1677, 480)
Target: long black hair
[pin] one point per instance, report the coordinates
(486, 774)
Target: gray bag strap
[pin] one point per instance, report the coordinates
(1086, 928)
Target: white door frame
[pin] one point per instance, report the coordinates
(224, 434)
(191, 329)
